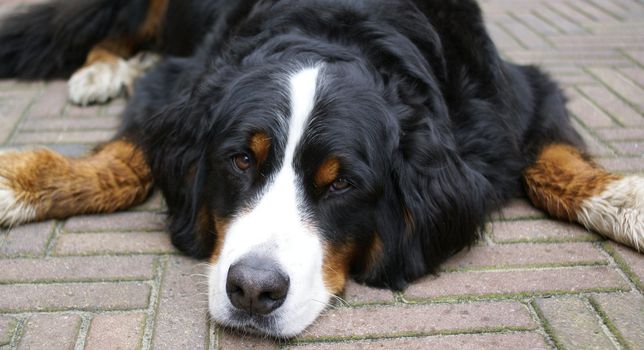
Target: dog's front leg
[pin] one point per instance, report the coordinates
(41, 184)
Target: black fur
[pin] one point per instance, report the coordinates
(432, 127)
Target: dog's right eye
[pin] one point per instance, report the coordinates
(242, 162)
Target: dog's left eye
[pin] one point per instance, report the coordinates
(340, 185)
(242, 162)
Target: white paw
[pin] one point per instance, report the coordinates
(618, 212)
(12, 210)
(102, 81)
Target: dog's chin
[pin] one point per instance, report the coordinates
(275, 325)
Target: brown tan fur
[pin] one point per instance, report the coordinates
(116, 176)
(327, 172)
(221, 227)
(109, 50)
(337, 260)
(260, 144)
(562, 178)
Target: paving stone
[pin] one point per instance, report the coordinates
(586, 111)
(509, 341)
(355, 293)
(625, 88)
(525, 254)
(114, 243)
(64, 124)
(613, 105)
(626, 313)
(51, 102)
(620, 134)
(633, 148)
(117, 222)
(7, 327)
(29, 239)
(633, 260)
(622, 164)
(538, 230)
(518, 209)
(419, 319)
(593, 145)
(83, 296)
(115, 331)
(573, 324)
(41, 137)
(494, 283)
(233, 340)
(50, 332)
(182, 314)
(99, 268)
(11, 110)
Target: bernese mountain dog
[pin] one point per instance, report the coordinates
(300, 143)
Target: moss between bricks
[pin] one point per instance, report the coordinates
(526, 266)
(611, 326)
(511, 296)
(481, 330)
(546, 325)
(624, 266)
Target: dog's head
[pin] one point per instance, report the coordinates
(297, 175)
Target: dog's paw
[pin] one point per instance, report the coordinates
(618, 212)
(99, 82)
(104, 80)
(14, 209)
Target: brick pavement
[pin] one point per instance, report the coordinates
(116, 282)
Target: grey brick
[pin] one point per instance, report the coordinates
(626, 313)
(114, 243)
(115, 331)
(117, 222)
(29, 240)
(51, 331)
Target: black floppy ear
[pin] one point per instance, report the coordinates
(176, 150)
(434, 204)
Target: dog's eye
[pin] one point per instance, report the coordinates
(242, 162)
(340, 185)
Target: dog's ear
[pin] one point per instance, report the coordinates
(176, 150)
(434, 201)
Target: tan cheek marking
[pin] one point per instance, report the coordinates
(327, 172)
(337, 260)
(221, 227)
(260, 144)
(561, 179)
(154, 19)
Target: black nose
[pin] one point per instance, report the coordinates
(256, 285)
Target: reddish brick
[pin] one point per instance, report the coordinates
(518, 209)
(539, 230)
(51, 102)
(623, 164)
(115, 331)
(494, 341)
(525, 35)
(359, 294)
(99, 268)
(637, 55)
(11, 109)
(154, 203)
(620, 134)
(633, 261)
(7, 327)
(233, 340)
(526, 254)
(182, 314)
(612, 104)
(419, 319)
(573, 325)
(579, 57)
(618, 83)
(117, 222)
(28, 240)
(482, 283)
(586, 111)
(50, 331)
(65, 124)
(114, 243)
(634, 148)
(635, 74)
(594, 147)
(84, 296)
(626, 313)
(42, 137)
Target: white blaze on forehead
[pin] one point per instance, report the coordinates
(276, 226)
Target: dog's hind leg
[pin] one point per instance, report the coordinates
(569, 186)
(42, 184)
